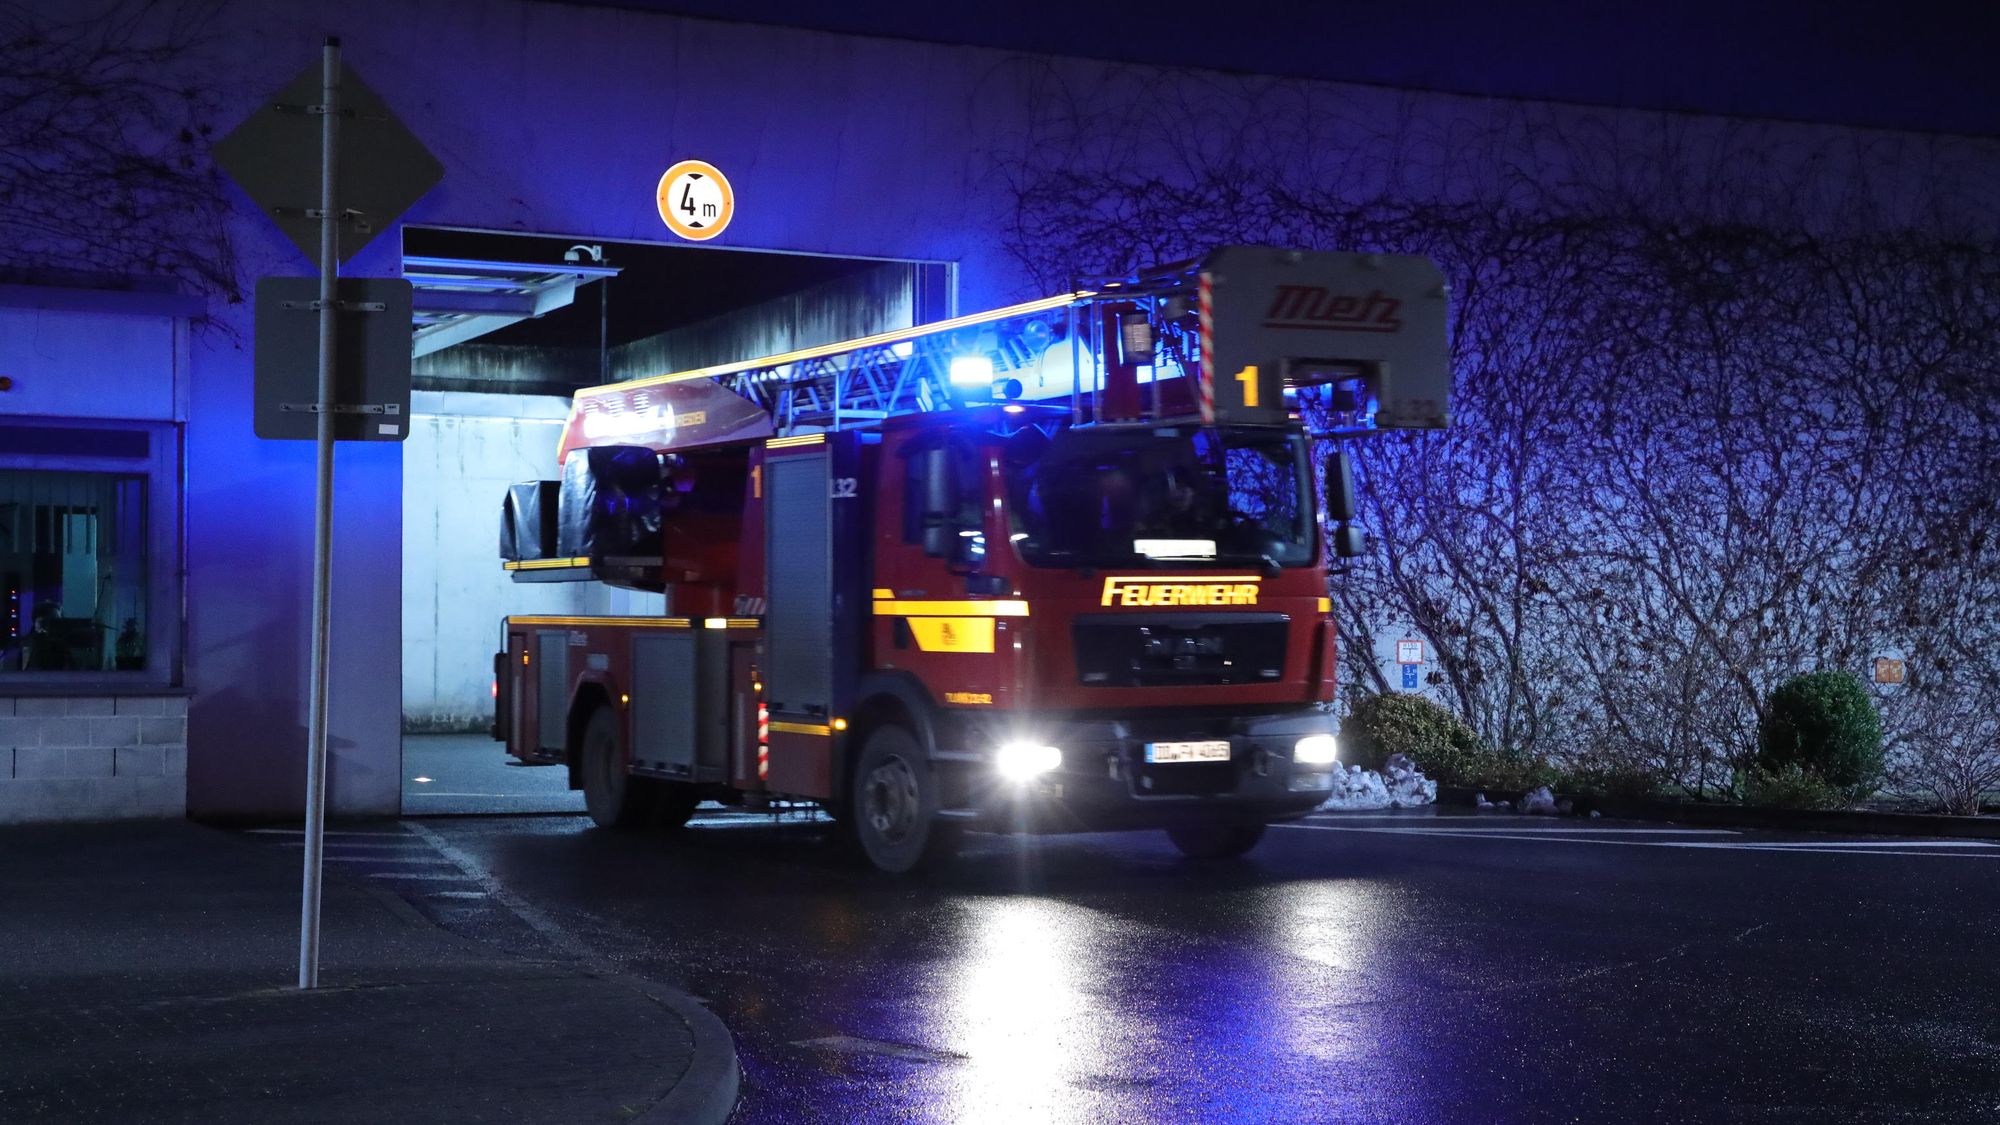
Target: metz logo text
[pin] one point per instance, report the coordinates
(1227, 590)
(1315, 306)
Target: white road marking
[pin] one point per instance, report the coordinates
(533, 916)
(458, 894)
(1887, 847)
(1748, 847)
(404, 843)
(424, 860)
(389, 835)
(427, 795)
(428, 875)
(1850, 845)
(1481, 830)
(1904, 843)
(1407, 818)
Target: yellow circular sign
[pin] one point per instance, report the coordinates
(696, 201)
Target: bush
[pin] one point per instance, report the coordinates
(1792, 787)
(1824, 724)
(1439, 742)
(1608, 779)
(1431, 736)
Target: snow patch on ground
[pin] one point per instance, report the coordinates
(1398, 786)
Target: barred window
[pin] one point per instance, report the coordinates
(73, 571)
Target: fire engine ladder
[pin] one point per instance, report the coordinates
(897, 372)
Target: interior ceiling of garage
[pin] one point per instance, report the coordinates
(1920, 66)
(657, 287)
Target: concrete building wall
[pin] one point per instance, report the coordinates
(559, 119)
(79, 362)
(843, 309)
(92, 757)
(477, 366)
(463, 452)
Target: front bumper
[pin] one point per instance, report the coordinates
(1105, 782)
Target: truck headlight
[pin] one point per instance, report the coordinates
(1021, 760)
(1316, 750)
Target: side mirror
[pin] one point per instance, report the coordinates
(1349, 541)
(940, 504)
(1339, 487)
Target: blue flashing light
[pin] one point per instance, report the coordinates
(971, 371)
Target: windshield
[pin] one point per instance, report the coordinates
(1162, 497)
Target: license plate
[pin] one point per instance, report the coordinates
(1157, 752)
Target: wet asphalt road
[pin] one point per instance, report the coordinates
(469, 773)
(1401, 967)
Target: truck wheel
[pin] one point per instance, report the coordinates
(893, 803)
(613, 797)
(1215, 841)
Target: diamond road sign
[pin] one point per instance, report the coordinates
(275, 157)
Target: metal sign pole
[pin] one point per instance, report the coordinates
(329, 273)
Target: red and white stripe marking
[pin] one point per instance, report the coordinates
(1205, 383)
(763, 741)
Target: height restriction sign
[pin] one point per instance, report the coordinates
(695, 200)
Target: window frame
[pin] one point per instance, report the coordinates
(165, 614)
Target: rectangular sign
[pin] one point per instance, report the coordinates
(1149, 591)
(1274, 317)
(371, 378)
(1889, 670)
(1409, 651)
(1209, 751)
(1409, 677)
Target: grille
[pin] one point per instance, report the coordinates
(1155, 650)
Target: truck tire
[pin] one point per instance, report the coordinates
(893, 803)
(1215, 841)
(613, 797)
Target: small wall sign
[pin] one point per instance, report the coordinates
(695, 200)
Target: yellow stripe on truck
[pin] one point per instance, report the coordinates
(886, 607)
(819, 729)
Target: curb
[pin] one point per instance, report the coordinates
(707, 1089)
(1793, 820)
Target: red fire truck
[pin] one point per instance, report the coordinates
(1055, 567)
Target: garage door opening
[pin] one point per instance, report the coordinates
(508, 326)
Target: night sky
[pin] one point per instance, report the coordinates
(1924, 66)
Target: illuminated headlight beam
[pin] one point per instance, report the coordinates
(1022, 760)
(1316, 750)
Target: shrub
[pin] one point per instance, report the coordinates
(1609, 779)
(1496, 770)
(1824, 724)
(1389, 723)
(1439, 742)
(1792, 787)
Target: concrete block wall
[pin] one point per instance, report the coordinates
(92, 757)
